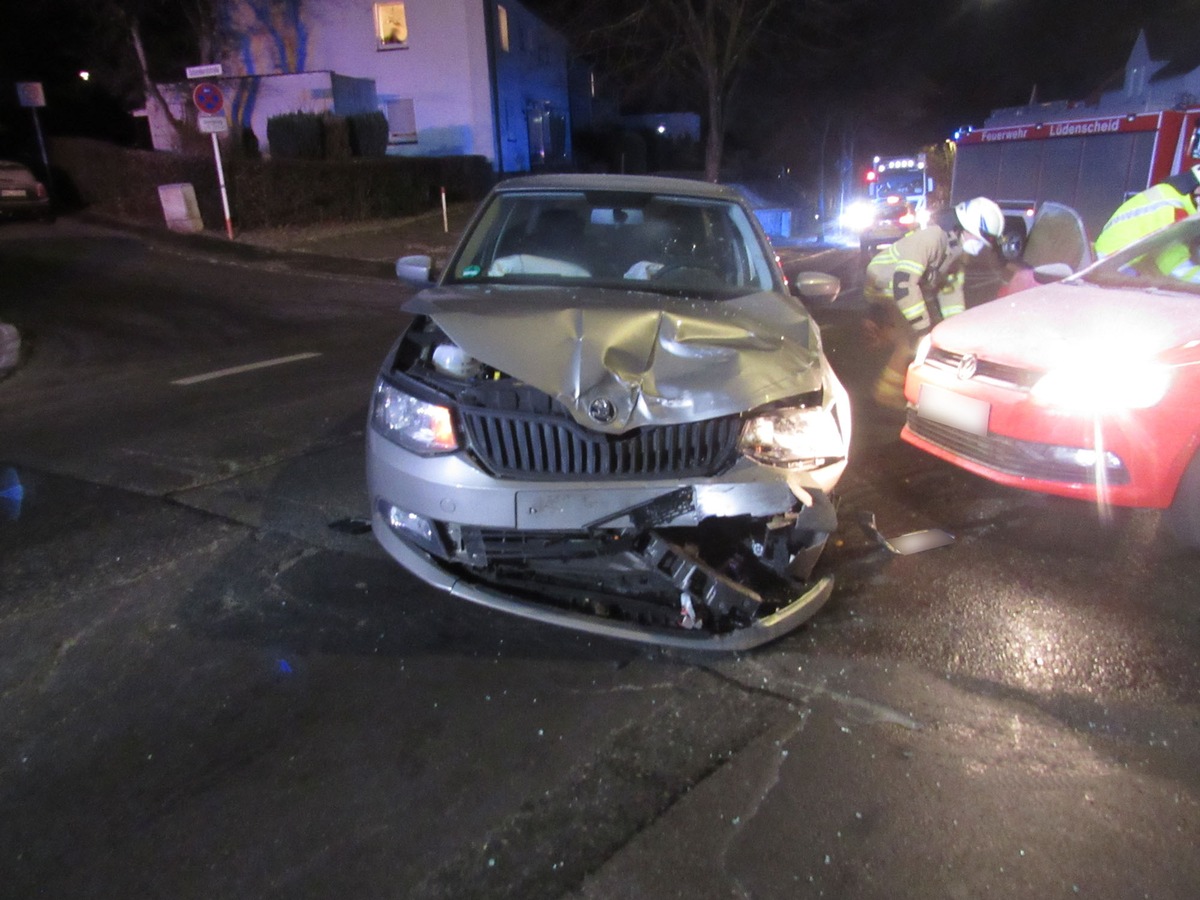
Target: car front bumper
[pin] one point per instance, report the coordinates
(1133, 458)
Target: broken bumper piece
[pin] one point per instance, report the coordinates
(698, 585)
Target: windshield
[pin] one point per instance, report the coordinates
(1168, 260)
(606, 239)
(906, 184)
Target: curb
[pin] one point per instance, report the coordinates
(211, 242)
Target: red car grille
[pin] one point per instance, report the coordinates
(1009, 376)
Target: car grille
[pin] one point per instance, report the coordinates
(531, 446)
(1008, 376)
(1023, 458)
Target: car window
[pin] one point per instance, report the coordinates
(642, 241)
(1167, 260)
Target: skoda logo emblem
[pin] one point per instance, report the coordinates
(966, 366)
(602, 410)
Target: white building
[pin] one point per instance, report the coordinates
(482, 77)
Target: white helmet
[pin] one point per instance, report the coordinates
(982, 218)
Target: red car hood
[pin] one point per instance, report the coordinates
(1046, 326)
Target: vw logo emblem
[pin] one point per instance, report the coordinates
(966, 366)
(602, 410)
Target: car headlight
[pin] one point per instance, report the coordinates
(413, 424)
(858, 216)
(794, 438)
(1111, 388)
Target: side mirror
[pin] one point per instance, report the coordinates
(1051, 272)
(816, 286)
(415, 270)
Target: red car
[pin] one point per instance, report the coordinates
(1088, 387)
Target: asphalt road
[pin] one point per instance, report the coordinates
(208, 688)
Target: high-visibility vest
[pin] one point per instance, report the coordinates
(1153, 209)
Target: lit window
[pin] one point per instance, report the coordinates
(391, 28)
(502, 20)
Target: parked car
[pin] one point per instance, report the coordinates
(21, 194)
(1088, 387)
(610, 414)
(882, 222)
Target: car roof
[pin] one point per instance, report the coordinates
(650, 184)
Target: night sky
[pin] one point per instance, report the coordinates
(917, 69)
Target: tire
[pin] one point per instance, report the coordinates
(1183, 515)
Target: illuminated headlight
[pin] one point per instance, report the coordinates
(794, 438)
(1109, 389)
(858, 216)
(413, 424)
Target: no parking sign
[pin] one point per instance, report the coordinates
(208, 98)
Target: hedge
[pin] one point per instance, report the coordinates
(123, 182)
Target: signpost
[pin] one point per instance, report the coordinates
(210, 104)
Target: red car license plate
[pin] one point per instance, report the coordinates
(948, 408)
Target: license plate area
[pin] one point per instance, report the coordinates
(948, 408)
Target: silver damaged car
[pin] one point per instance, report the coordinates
(609, 413)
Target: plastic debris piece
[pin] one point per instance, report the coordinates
(352, 525)
(687, 612)
(284, 667)
(905, 544)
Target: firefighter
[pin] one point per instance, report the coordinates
(918, 281)
(1151, 210)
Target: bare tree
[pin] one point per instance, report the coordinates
(701, 46)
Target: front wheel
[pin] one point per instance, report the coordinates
(1183, 515)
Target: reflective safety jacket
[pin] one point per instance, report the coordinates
(1153, 209)
(922, 273)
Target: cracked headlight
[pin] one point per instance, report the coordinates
(794, 438)
(413, 424)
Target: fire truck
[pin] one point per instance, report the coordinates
(897, 189)
(1092, 164)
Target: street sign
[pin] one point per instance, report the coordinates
(30, 93)
(213, 71)
(208, 98)
(212, 124)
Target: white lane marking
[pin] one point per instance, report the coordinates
(249, 367)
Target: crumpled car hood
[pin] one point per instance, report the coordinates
(656, 359)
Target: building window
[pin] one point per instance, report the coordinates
(502, 24)
(402, 122)
(391, 28)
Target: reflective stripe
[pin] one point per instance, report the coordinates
(1189, 272)
(1149, 208)
(1143, 214)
